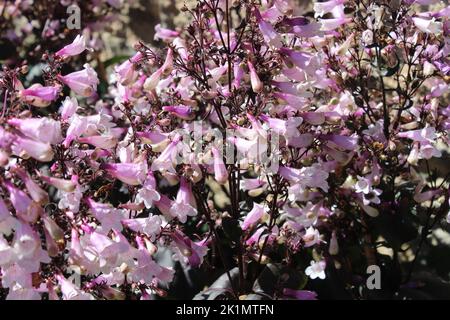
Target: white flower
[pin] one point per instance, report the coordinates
(70, 200)
(367, 37)
(75, 48)
(182, 210)
(428, 26)
(151, 226)
(17, 292)
(322, 8)
(372, 197)
(316, 270)
(147, 196)
(311, 237)
(428, 68)
(363, 185)
(6, 252)
(312, 177)
(70, 291)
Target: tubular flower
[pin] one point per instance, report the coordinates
(83, 83)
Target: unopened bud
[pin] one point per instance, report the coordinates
(334, 246)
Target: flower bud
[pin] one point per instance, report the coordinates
(257, 85)
(334, 246)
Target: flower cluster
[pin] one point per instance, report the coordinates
(96, 186)
(30, 28)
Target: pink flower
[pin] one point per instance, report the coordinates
(251, 184)
(284, 127)
(7, 221)
(251, 150)
(71, 200)
(363, 185)
(83, 83)
(291, 99)
(75, 48)
(331, 24)
(301, 59)
(308, 30)
(42, 129)
(271, 36)
(428, 151)
(344, 142)
(165, 205)
(257, 85)
(17, 292)
(304, 217)
(301, 141)
(102, 142)
(148, 194)
(314, 118)
(106, 250)
(311, 237)
(146, 268)
(70, 291)
(184, 204)
(168, 157)
(371, 211)
(182, 112)
(321, 8)
(313, 177)
(26, 243)
(165, 34)
(6, 252)
(152, 137)
(180, 47)
(151, 82)
(427, 134)
(300, 294)
(253, 216)
(76, 255)
(61, 184)
(239, 73)
(126, 72)
(167, 67)
(334, 245)
(39, 96)
(40, 151)
(68, 108)
(78, 125)
(130, 173)
(259, 236)
(54, 236)
(34, 190)
(283, 6)
(220, 171)
(150, 226)
(420, 196)
(26, 209)
(187, 251)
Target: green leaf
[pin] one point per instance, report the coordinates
(115, 60)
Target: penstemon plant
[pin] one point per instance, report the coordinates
(260, 152)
